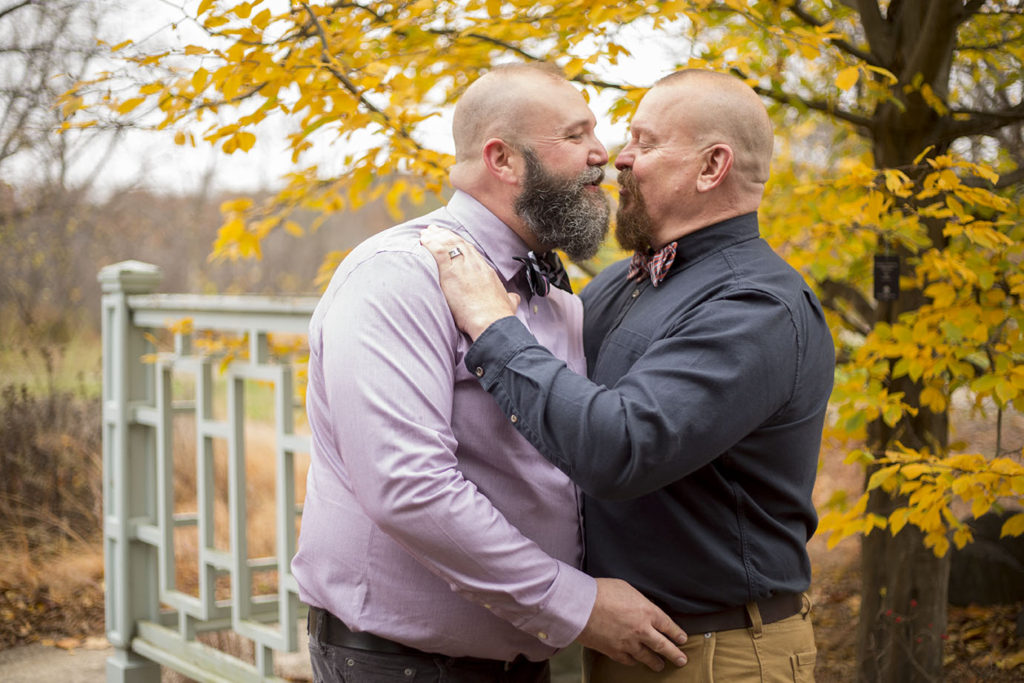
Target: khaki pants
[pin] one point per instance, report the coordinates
(783, 651)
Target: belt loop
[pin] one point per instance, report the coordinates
(805, 605)
(755, 618)
(315, 624)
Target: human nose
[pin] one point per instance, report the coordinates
(624, 159)
(598, 154)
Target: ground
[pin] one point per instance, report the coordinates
(51, 613)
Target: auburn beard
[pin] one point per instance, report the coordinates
(563, 213)
(633, 224)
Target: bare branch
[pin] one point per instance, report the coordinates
(982, 122)
(14, 8)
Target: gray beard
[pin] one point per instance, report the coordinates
(561, 212)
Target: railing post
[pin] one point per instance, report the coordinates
(129, 475)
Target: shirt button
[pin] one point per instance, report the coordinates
(350, 662)
(487, 605)
(514, 418)
(479, 371)
(636, 293)
(409, 673)
(542, 635)
(535, 308)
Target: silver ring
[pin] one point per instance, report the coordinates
(452, 253)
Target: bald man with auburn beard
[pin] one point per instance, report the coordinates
(695, 439)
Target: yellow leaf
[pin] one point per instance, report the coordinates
(923, 154)
(914, 471)
(293, 228)
(129, 105)
(1014, 526)
(881, 475)
(1012, 661)
(199, 79)
(236, 205)
(204, 6)
(847, 78)
(261, 20)
(196, 50)
(980, 506)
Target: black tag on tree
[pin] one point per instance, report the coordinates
(887, 277)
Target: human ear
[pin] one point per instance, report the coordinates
(715, 167)
(499, 157)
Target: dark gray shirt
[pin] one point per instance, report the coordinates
(696, 438)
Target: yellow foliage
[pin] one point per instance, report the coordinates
(346, 73)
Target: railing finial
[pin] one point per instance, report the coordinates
(130, 277)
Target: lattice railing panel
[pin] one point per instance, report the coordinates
(150, 617)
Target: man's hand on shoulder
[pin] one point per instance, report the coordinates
(629, 628)
(471, 287)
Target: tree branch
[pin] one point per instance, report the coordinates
(982, 122)
(934, 38)
(843, 44)
(993, 45)
(1010, 179)
(351, 87)
(817, 105)
(14, 8)
(875, 30)
(834, 292)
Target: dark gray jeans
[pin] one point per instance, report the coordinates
(337, 664)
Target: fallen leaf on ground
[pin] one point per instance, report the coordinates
(68, 643)
(95, 643)
(1011, 662)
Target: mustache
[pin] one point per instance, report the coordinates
(627, 180)
(594, 175)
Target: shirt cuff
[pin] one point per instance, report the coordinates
(567, 609)
(495, 347)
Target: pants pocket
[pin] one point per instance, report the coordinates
(803, 666)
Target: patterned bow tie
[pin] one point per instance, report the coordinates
(654, 265)
(541, 272)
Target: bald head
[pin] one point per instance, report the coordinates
(719, 108)
(499, 104)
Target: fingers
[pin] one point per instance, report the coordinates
(440, 242)
(666, 637)
(660, 645)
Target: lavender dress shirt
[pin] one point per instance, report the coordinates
(428, 518)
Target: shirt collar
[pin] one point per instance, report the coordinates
(715, 237)
(495, 240)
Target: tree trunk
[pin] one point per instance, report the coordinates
(904, 586)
